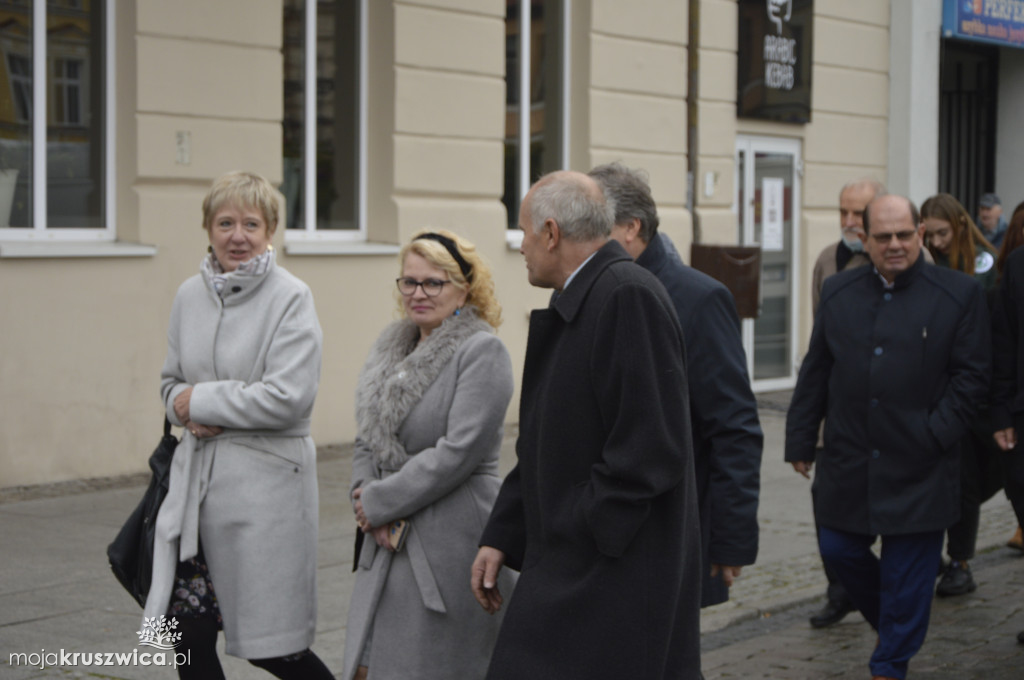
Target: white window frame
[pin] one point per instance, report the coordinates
(38, 231)
(514, 237)
(307, 233)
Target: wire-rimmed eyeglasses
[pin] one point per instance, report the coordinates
(431, 287)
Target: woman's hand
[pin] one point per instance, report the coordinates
(361, 520)
(201, 431)
(380, 534)
(181, 403)
(198, 431)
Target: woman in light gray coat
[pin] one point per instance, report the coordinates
(236, 535)
(430, 406)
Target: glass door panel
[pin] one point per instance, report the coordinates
(767, 208)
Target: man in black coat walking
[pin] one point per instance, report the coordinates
(899, 357)
(600, 513)
(727, 437)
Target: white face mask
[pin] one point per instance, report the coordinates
(853, 242)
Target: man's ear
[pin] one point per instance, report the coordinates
(552, 234)
(632, 228)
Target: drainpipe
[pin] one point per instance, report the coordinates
(692, 90)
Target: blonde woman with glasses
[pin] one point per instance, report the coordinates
(430, 407)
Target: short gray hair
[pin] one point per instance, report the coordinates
(630, 191)
(875, 185)
(581, 210)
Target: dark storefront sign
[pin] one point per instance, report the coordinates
(999, 22)
(773, 73)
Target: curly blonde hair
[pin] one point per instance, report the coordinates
(479, 289)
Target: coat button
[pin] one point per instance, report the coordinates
(887, 297)
(236, 289)
(401, 375)
(874, 403)
(878, 351)
(876, 453)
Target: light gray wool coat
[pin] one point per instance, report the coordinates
(429, 430)
(249, 494)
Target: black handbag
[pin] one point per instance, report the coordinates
(131, 553)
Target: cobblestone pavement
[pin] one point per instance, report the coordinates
(971, 637)
(56, 590)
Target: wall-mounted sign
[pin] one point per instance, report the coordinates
(773, 73)
(1000, 22)
(772, 194)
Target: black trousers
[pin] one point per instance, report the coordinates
(981, 477)
(1013, 477)
(199, 642)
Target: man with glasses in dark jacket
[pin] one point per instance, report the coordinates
(899, 357)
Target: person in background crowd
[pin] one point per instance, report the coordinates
(236, 536)
(956, 243)
(600, 513)
(727, 437)
(899, 356)
(847, 253)
(430, 408)
(1012, 239)
(1007, 334)
(991, 220)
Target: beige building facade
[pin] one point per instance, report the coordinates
(388, 116)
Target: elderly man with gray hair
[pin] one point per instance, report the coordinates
(600, 513)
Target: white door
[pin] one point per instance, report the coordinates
(767, 206)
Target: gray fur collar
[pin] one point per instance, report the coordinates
(394, 379)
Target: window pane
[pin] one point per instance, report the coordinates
(16, 118)
(545, 87)
(337, 113)
(75, 137)
(294, 63)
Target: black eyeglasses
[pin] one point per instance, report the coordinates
(903, 236)
(431, 287)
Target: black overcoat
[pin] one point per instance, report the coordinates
(600, 513)
(727, 437)
(897, 374)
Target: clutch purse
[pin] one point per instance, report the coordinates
(131, 553)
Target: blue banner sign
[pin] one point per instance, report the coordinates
(999, 22)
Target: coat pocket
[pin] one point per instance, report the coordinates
(288, 452)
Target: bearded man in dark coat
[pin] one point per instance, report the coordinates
(727, 437)
(600, 513)
(899, 357)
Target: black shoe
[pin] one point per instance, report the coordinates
(956, 581)
(832, 612)
(1020, 637)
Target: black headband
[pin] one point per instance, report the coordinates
(450, 246)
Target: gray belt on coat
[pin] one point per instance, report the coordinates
(190, 478)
